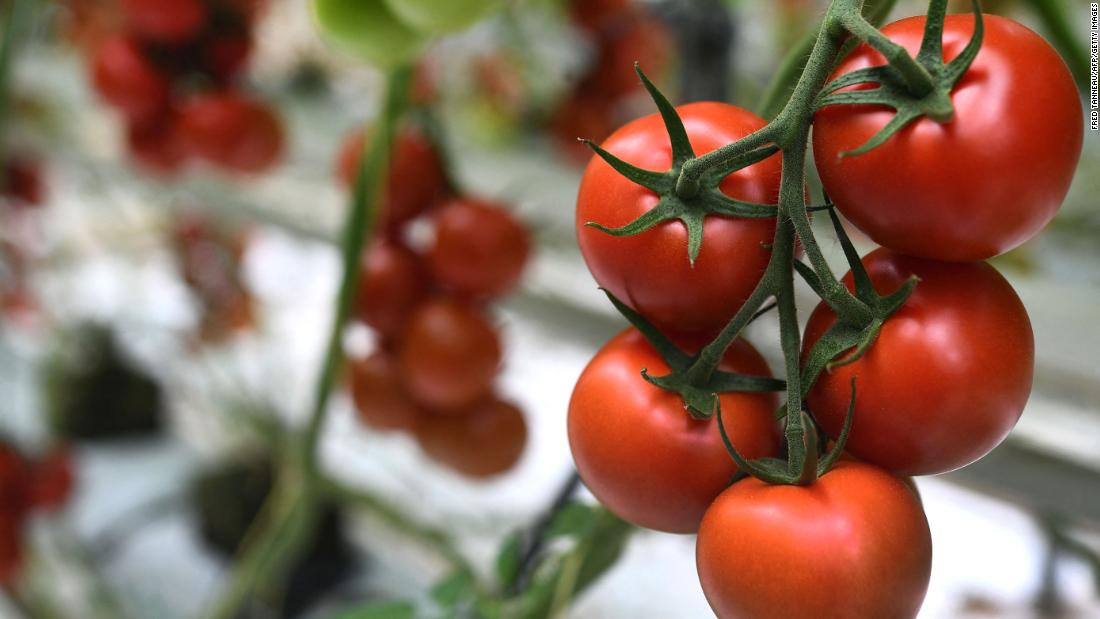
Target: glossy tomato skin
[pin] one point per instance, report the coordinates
(948, 376)
(232, 131)
(639, 451)
(380, 400)
(979, 185)
(414, 181)
(650, 271)
(125, 78)
(166, 21)
(449, 355)
(484, 440)
(480, 248)
(392, 284)
(853, 544)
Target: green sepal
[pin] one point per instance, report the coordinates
(831, 458)
(677, 134)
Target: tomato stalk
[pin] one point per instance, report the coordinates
(287, 518)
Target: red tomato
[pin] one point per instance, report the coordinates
(232, 131)
(480, 249)
(639, 451)
(415, 178)
(640, 40)
(157, 145)
(11, 548)
(979, 185)
(485, 440)
(582, 116)
(650, 271)
(225, 54)
(853, 544)
(599, 14)
(166, 21)
(125, 78)
(392, 284)
(379, 398)
(449, 355)
(948, 376)
(51, 480)
(22, 181)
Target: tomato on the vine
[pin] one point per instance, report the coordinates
(51, 480)
(166, 21)
(640, 452)
(380, 401)
(855, 543)
(948, 376)
(414, 180)
(392, 284)
(978, 185)
(650, 271)
(449, 355)
(480, 248)
(125, 78)
(233, 131)
(484, 440)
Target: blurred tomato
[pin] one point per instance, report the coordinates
(392, 283)
(166, 21)
(233, 131)
(125, 78)
(380, 400)
(485, 440)
(480, 249)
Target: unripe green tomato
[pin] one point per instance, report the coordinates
(442, 16)
(368, 30)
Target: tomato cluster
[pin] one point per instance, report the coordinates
(438, 350)
(210, 263)
(27, 485)
(621, 33)
(172, 72)
(938, 381)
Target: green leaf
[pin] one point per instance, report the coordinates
(574, 520)
(380, 610)
(508, 558)
(367, 30)
(458, 586)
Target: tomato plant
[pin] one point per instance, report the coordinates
(976, 186)
(448, 355)
(651, 271)
(483, 440)
(639, 451)
(853, 544)
(480, 249)
(948, 376)
(232, 131)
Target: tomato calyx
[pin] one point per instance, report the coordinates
(687, 204)
(913, 87)
(700, 396)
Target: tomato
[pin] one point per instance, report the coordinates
(853, 544)
(369, 30)
(639, 451)
(166, 21)
(480, 249)
(979, 185)
(415, 178)
(157, 145)
(650, 271)
(380, 401)
(21, 180)
(596, 15)
(449, 355)
(125, 78)
(392, 283)
(225, 54)
(52, 480)
(948, 376)
(484, 440)
(11, 548)
(641, 40)
(434, 16)
(232, 131)
(582, 116)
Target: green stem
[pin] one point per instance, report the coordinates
(916, 77)
(14, 26)
(290, 513)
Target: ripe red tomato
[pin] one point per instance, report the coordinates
(979, 185)
(639, 451)
(853, 544)
(637, 39)
(449, 355)
(51, 480)
(480, 248)
(948, 376)
(380, 401)
(484, 440)
(415, 178)
(156, 145)
(125, 78)
(166, 21)
(392, 283)
(21, 180)
(650, 271)
(232, 131)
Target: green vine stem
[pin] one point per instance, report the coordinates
(288, 516)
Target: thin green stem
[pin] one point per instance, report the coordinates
(917, 78)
